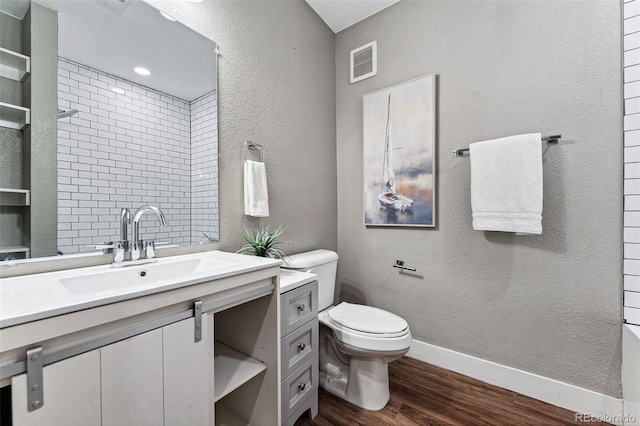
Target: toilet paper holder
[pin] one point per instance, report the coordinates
(400, 265)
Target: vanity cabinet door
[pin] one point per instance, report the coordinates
(188, 373)
(132, 382)
(71, 394)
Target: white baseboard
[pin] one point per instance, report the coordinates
(542, 388)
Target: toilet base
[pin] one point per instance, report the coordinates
(364, 382)
(355, 375)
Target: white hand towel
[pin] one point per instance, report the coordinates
(256, 197)
(506, 184)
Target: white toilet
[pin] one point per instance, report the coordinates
(357, 341)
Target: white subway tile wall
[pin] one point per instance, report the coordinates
(122, 150)
(631, 64)
(204, 168)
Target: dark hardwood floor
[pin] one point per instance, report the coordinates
(422, 394)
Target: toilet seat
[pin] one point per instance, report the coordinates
(396, 340)
(367, 319)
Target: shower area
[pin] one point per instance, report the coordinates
(631, 309)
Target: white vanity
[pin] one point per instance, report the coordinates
(190, 339)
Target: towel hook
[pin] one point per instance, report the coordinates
(251, 146)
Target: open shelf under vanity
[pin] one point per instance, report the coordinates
(233, 369)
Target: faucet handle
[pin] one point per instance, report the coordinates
(119, 251)
(150, 249)
(136, 249)
(106, 247)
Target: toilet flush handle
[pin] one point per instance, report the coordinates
(311, 271)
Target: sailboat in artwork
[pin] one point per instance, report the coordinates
(388, 197)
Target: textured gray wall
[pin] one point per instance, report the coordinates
(548, 304)
(276, 75)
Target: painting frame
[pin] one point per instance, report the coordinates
(399, 179)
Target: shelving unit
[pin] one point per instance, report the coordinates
(14, 116)
(15, 197)
(14, 65)
(15, 201)
(233, 369)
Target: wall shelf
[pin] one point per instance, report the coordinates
(14, 249)
(14, 65)
(14, 116)
(15, 197)
(233, 369)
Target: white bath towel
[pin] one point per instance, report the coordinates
(256, 197)
(506, 184)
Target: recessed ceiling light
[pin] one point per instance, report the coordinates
(142, 71)
(195, 1)
(169, 17)
(117, 90)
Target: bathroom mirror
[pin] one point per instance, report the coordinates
(137, 124)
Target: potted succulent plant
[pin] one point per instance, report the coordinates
(264, 243)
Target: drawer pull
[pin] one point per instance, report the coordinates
(301, 307)
(301, 386)
(301, 346)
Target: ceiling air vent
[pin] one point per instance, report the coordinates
(364, 62)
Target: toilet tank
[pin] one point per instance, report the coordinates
(323, 263)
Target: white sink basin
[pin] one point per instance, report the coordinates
(33, 297)
(135, 277)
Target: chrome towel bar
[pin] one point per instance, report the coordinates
(548, 139)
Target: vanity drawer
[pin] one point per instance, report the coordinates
(298, 347)
(298, 386)
(298, 306)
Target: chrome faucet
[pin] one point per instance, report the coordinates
(121, 247)
(125, 219)
(140, 251)
(137, 246)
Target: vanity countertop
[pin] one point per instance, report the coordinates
(34, 297)
(293, 279)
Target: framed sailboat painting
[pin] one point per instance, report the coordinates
(399, 148)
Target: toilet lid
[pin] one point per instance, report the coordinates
(367, 319)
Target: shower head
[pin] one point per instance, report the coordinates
(66, 113)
